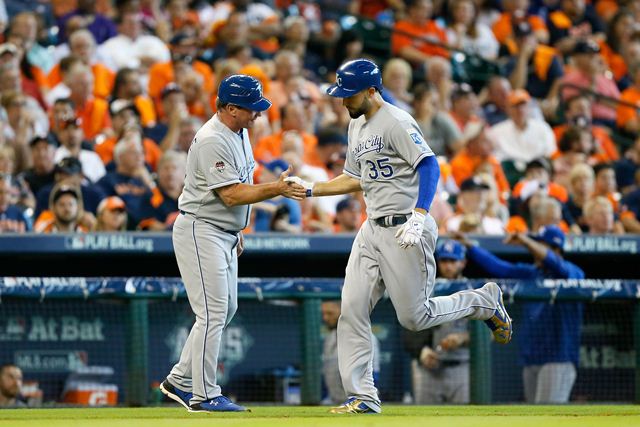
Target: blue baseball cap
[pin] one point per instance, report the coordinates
(552, 235)
(243, 91)
(451, 250)
(355, 76)
(277, 166)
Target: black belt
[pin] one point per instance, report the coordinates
(391, 220)
(451, 363)
(232, 232)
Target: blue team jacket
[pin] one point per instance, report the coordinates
(547, 332)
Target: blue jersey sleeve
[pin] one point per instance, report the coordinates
(560, 268)
(429, 173)
(498, 268)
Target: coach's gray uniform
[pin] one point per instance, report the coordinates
(383, 153)
(205, 237)
(449, 382)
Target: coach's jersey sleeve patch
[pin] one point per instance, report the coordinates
(216, 163)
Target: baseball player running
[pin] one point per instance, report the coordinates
(215, 206)
(389, 159)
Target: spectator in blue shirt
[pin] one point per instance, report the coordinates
(277, 214)
(12, 219)
(131, 181)
(627, 167)
(549, 334)
(69, 172)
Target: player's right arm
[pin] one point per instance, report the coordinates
(342, 184)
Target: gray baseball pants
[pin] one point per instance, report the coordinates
(208, 265)
(548, 383)
(377, 263)
(444, 385)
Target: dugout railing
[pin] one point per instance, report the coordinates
(134, 311)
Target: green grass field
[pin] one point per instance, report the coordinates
(281, 416)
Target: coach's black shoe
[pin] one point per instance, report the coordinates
(218, 404)
(172, 392)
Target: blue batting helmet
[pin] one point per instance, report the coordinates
(243, 91)
(355, 76)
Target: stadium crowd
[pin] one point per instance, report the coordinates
(100, 100)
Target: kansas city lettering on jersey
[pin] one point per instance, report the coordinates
(373, 143)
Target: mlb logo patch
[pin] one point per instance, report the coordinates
(219, 166)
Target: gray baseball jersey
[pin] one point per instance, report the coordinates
(383, 153)
(205, 244)
(218, 157)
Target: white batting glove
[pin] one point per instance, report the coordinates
(297, 180)
(410, 232)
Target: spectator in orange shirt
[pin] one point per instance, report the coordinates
(464, 105)
(516, 11)
(619, 32)
(180, 15)
(476, 156)
(66, 208)
(112, 215)
(577, 112)
(126, 118)
(293, 120)
(184, 50)
(94, 112)
(573, 22)
(197, 99)
(534, 66)
(83, 45)
(127, 86)
(628, 119)
(232, 34)
(418, 37)
(538, 177)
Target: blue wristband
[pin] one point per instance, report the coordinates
(309, 192)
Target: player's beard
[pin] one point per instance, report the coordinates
(362, 109)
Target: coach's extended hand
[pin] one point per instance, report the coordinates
(291, 189)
